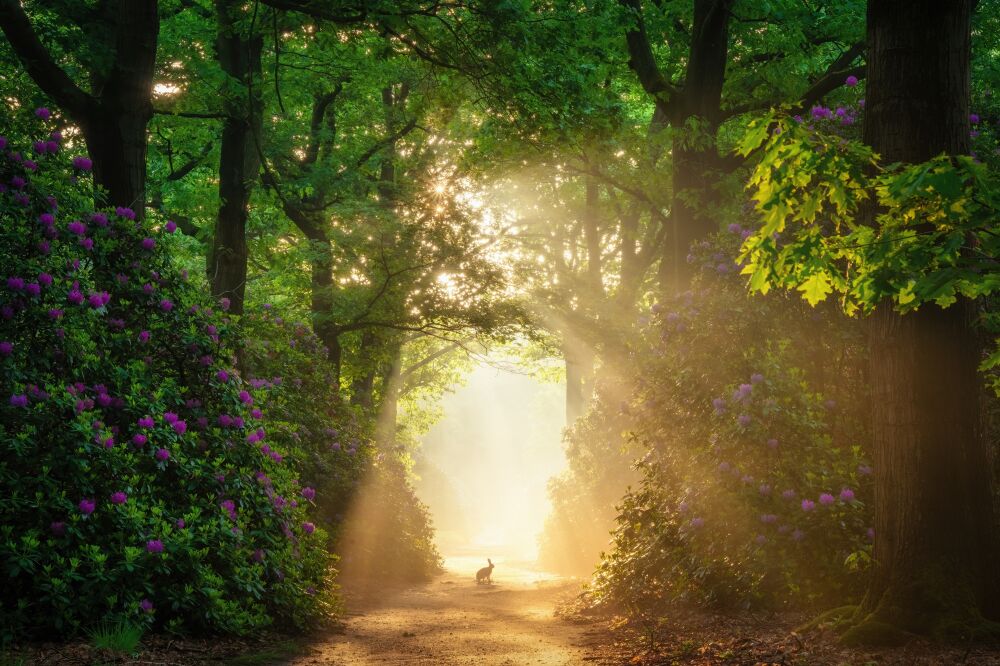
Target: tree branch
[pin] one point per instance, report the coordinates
(641, 59)
(39, 64)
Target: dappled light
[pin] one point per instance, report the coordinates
(499, 333)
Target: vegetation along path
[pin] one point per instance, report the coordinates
(452, 620)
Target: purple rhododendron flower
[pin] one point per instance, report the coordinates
(744, 420)
(43, 113)
(166, 305)
(170, 226)
(146, 422)
(870, 533)
(864, 470)
(697, 522)
(772, 443)
(847, 495)
(87, 506)
(6, 348)
(974, 118)
(826, 499)
(756, 378)
(308, 528)
(98, 299)
(798, 535)
(148, 243)
(77, 228)
(87, 243)
(19, 400)
(309, 493)
(851, 81)
(720, 405)
(222, 375)
(761, 539)
(15, 283)
(154, 546)
(246, 398)
(162, 454)
(180, 427)
(139, 439)
(180, 523)
(808, 505)
(170, 417)
(127, 213)
(146, 606)
(144, 336)
(82, 163)
(119, 497)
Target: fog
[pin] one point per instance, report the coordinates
(485, 465)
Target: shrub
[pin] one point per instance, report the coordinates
(138, 479)
(328, 442)
(754, 490)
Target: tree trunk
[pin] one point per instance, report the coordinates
(695, 113)
(239, 56)
(935, 567)
(388, 416)
(323, 323)
(115, 128)
(363, 386)
(579, 379)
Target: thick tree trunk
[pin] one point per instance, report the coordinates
(696, 110)
(935, 568)
(115, 128)
(239, 56)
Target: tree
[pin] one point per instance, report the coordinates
(904, 228)
(114, 114)
(935, 551)
(239, 54)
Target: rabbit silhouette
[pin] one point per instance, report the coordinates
(485, 575)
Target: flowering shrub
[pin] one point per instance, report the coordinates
(136, 470)
(286, 363)
(753, 489)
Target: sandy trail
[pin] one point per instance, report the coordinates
(451, 620)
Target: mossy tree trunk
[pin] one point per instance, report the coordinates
(935, 569)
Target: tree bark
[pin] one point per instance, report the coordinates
(694, 157)
(240, 58)
(114, 118)
(935, 568)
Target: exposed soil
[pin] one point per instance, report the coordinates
(453, 620)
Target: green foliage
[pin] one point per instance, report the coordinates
(834, 219)
(129, 496)
(753, 488)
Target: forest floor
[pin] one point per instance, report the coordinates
(525, 617)
(452, 620)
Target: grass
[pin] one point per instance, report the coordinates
(120, 637)
(270, 655)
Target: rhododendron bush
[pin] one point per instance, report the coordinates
(139, 475)
(754, 489)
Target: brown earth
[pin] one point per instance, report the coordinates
(452, 620)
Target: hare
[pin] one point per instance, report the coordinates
(485, 575)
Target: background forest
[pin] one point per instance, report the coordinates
(246, 246)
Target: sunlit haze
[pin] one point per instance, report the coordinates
(484, 466)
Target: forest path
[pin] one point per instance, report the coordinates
(452, 620)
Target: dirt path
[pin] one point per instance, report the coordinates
(451, 620)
